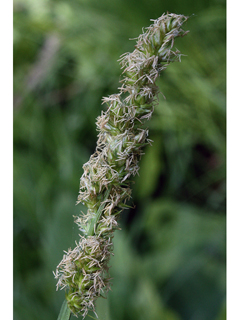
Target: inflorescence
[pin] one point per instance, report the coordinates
(105, 183)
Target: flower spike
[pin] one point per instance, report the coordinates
(105, 183)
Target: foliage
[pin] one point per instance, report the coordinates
(169, 258)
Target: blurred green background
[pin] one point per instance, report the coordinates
(169, 257)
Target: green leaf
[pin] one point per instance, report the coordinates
(64, 312)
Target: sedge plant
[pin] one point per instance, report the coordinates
(105, 185)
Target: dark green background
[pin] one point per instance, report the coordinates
(169, 257)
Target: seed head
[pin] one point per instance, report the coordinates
(105, 183)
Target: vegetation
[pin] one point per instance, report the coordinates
(169, 257)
